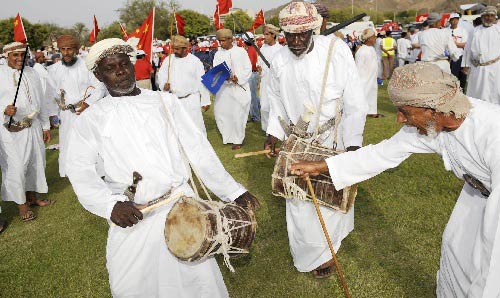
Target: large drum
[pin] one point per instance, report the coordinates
(196, 229)
(293, 187)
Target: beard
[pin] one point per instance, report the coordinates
(432, 133)
(71, 62)
(122, 91)
(299, 57)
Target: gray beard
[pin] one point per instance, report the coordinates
(431, 130)
(124, 91)
(301, 56)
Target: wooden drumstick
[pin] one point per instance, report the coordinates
(325, 231)
(254, 153)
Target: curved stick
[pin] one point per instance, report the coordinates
(325, 231)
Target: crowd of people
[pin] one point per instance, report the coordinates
(445, 83)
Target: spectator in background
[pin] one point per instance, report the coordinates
(366, 62)
(413, 56)
(254, 79)
(388, 48)
(378, 50)
(460, 36)
(143, 71)
(404, 48)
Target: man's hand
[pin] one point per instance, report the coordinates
(205, 108)
(82, 108)
(309, 168)
(270, 144)
(234, 79)
(125, 214)
(166, 87)
(248, 201)
(46, 136)
(465, 70)
(10, 110)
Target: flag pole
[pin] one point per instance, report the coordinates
(19, 82)
(171, 42)
(152, 36)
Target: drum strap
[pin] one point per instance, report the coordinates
(190, 168)
(338, 113)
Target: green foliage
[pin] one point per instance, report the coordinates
(245, 20)
(274, 20)
(38, 34)
(197, 24)
(112, 31)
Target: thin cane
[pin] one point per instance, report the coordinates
(318, 211)
(19, 83)
(171, 46)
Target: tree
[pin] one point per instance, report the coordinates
(274, 20)
(196, 23)
(112, 31)
(245, 20)
(80, 31)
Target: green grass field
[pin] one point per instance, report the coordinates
(392, 252)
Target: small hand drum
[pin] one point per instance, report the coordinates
(196, 229)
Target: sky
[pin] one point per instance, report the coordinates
(68, 12)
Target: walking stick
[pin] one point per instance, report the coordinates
(170, 48)
(19, 83)
(325, 231)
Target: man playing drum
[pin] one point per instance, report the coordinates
(148, 132)
(440, 119)
(295, 89)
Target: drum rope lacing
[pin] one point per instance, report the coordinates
(223, 238)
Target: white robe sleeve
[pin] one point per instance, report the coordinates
(201, 154)
(355, 106)
(204, 93)
(92, 192)
(51, 93)
(163, 74)
(244, 69)
(452, 48)
(276, 107)
(98, 92)
(44, 112)
(356, 166)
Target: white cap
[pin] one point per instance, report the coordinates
(245, 38)
(157, 50)
(140, 52)
(454, 15)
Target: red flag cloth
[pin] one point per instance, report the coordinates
(422, 17)
(124, 32)
(145, 35)
(445, 17)
(179, 23)
(217, 23)
(224, 6)
(259, 21)
(19, 33)
(94, 32)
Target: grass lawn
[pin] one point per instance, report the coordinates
(392, 252)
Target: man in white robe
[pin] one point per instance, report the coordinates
(71, 75)
(483, 58)
(297, 72)
(232, 102)
(268, 50)
(149, 132)
(366, 62)
(440, 119)
(404, 48)
(437, 45)
(22, 146)
(185, 80)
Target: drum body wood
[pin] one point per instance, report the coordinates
(289, 186)
(196, 229)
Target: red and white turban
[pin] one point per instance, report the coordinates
(299, 17)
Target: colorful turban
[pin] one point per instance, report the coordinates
(105, 48)
(489, 10)
(425, 85)
(67, 41)
(180, 42)
(224, 33)
(299, 17)
(273, 29)
(15, 46)
(367, 33)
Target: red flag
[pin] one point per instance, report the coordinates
(422, 17)
(124, 32)
(259, 21)
(445, 17)
(19, 33)
(179, 24)
(145, 34)
(217, 23)
(224, 6)
(94, 32)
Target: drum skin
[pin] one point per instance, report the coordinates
(190, 230)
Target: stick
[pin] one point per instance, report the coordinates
(171, 45)
(325, 231)
(240, 155)
(19, 82)
(236, 21)
(344, 24)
